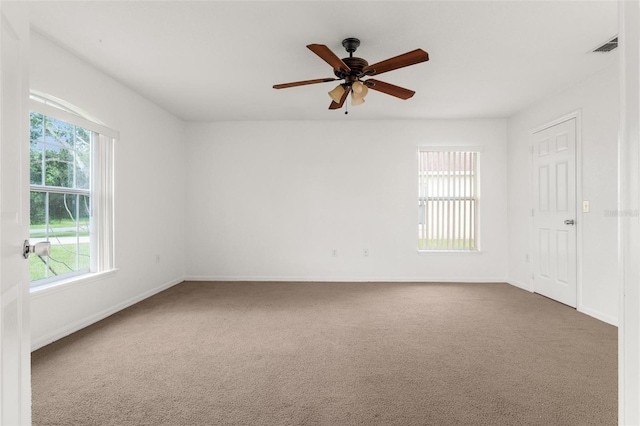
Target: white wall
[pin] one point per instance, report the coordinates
(597, 99)
(149, 194)
(271, 200)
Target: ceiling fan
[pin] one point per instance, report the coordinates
(353, 69)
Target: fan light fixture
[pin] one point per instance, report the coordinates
(336, 94)
(356, 100)
(358, 92)
(359, 88)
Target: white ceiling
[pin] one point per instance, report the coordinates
(212, 60)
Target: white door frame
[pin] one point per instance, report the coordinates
(629, 227)
(577, 115)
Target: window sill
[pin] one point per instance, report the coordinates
(449, 252)
(69, 283)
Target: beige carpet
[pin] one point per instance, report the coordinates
(234, 353)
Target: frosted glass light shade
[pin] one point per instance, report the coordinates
(359, 90)
(337, 93)
(356, 100)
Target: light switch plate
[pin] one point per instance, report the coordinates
(585, 206)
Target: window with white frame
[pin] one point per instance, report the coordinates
(71, 192)
(448, 199)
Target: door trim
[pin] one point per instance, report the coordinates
(15, 21)
(577, 115)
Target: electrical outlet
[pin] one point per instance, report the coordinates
(586, 206)
(365, 252)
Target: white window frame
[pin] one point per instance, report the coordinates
(101, 190)
(424, 198)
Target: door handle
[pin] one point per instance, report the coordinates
(40, 249)
(569, 222)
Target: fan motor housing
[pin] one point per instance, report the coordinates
(356, 65)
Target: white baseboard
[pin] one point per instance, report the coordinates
(85, 322)
(521, 285)
(347, 279)
(599, 315)
(585, 310)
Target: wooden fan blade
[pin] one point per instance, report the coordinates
(400, 61)
(303, 83)
(328, 56)
(389, 89)
(338, 105)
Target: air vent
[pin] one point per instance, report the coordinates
(608, 46)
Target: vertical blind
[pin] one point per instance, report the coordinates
(447, 200)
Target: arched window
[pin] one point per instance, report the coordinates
(71, 191)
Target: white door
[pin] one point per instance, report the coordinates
(554, 212)
(15, 369)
